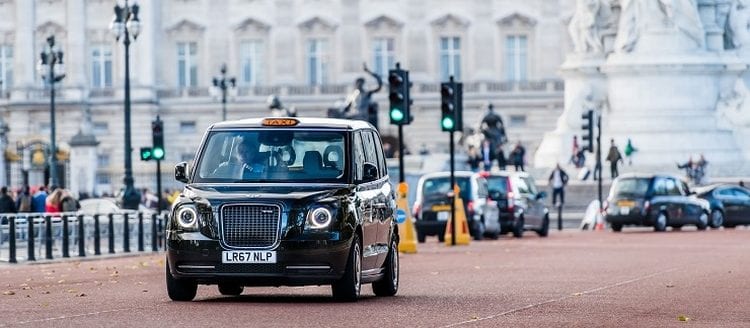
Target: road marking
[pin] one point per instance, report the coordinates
(65, 317)
(590, 291)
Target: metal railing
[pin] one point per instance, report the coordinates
(33, 236)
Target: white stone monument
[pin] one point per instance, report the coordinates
(83, 159)
(670, 83)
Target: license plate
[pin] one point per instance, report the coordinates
(624, 210)
(626, 203)
(442, 216)
(441, 208)
(248, 257)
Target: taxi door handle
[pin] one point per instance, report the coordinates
(379, 206)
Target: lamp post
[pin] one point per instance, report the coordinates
(124, 26)
(223, 83)
(52, 70)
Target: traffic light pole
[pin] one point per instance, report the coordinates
(158, 186)
(401, 177)
(453, 191)
(599, 159)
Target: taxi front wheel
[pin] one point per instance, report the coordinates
(388, 286)
(180, 290)
(347, 289)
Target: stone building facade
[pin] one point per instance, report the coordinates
(308, 52)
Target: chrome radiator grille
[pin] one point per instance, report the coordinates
(250, 225)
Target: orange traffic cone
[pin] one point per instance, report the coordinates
(599, 226)
(406, 232)
(462, 237)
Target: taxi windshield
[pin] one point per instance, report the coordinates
(273, 155)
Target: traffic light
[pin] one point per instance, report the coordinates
(588, 128)
(451, 106)
(398, 87)
(146, 153)
(157, 133)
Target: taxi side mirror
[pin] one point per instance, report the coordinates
(180, 172)
(370, 172)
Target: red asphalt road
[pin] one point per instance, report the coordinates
(578, 279)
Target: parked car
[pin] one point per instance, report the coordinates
(730, 204)
(654, 200)
(284, 202)
(520, 204)
(432, 206)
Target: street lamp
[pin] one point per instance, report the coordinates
(223, 83)
(52, 70)
(124, 25)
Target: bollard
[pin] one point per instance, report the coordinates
(81, 237)
(111, 233)
(154, 247)
(161, 233)
(30, 238)
(65, 241)
(12, 240)
(97, 236)
(48, 236)
(125, 234)
(140, 231)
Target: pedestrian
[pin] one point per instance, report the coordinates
(23, 201)
(501, 160)
(574, 153)
(629, 150)
(39, 200)
(517, 156)
(700, 170)
(53, 201)
(7, 204)
(68, 203)
(558, 179)
(614, 157)
(689, 168)
(487, 154)
(474, 159)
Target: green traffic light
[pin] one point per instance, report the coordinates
(158, 153)
(447, 123)
(397, 115)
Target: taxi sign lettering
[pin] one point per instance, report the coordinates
(280, 122)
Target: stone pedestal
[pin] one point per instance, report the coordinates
(83, 163)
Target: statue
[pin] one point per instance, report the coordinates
(738, 33)
(278, 109)
(358, 103)
(590, 18)
(732, 106)
(640, 15)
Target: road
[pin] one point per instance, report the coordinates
(577, 279)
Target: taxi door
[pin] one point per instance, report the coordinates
(366, 194)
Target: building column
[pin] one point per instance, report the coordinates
(75, 59)
(144, 59)
(24, 56)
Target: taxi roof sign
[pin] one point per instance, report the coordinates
(280, 122)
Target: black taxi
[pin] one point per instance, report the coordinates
(284, 202)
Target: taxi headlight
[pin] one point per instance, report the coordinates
(187, 217)
(319, 218)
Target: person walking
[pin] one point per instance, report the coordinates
(517, 156)
(614, 157)
(7, 204)
(474, 159)
(558, 179)
(68, 203)
(24, 201)
(487, 154)
(629, 150)
(39, 200)
(53, 202)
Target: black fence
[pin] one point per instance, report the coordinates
(47, 236)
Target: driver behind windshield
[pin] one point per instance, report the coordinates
(245, 163)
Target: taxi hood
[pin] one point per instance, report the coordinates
(261, 192)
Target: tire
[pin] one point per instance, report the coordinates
(421, 237)
(180, 290)
(441, 237)
(717, 219)
(494, 235)
(660, 223)
(616, 227)
(388, 286)
(347, 288)
(702, 223)
(518, 229)
(230, 289)
(544, 229)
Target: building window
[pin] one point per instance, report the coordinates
(187, 64)
(450, 58)
(101, 66)
(101, 128)
(187, 127)
(102, 160)
(383, 55)
(6, 67)
(516, 58)
(517, 120)
(251, 61)
(103, 179)
(317, 61)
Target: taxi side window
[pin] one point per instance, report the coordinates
(359, 157)
(660, 187)
(382, 166)
(369, 147)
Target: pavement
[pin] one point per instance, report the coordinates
(570, 279)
